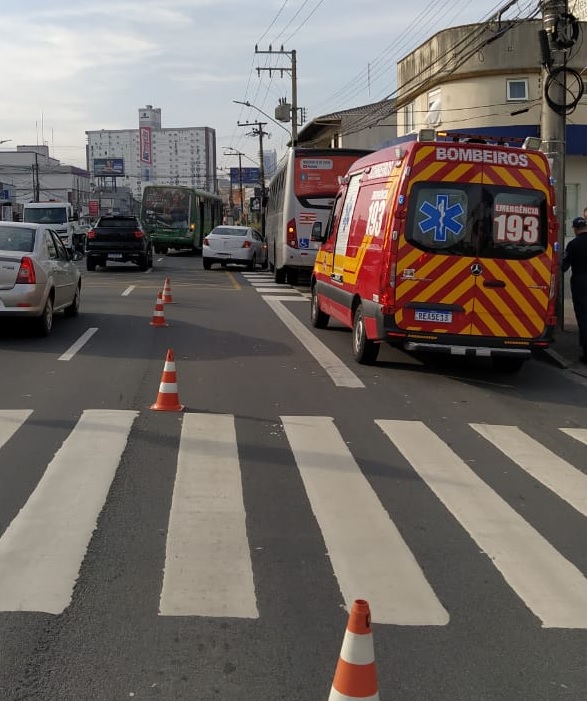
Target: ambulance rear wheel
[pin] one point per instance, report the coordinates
(507, 364)
(364, 350)
(318, 318)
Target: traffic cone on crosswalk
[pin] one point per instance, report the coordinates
(167, 397)
(167, 294)
(158, 318)
(355, 675)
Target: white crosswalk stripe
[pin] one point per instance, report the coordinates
(43, 548)
(549, 585)
(208, 569)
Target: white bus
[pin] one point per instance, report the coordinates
(299, 200)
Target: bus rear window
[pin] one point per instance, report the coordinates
(484, 221)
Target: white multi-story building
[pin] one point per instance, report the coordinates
(34, 176)
(166, 156)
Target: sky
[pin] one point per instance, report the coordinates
(70, 67)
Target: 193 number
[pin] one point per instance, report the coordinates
(516, 228)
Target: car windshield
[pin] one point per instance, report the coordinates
(227, 231)
(16, 238)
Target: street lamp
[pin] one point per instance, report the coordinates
(248, 104)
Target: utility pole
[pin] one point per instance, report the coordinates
(555, 41)
(234, 152)
(292, 72)
(258, 131)
(36, 183)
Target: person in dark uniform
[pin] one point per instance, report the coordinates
(575, 258)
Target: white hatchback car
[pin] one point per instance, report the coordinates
(234, 244)
(38, 275)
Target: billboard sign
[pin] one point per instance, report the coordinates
(93, 208)
(249, 176)
(109, 166)
(145, 145)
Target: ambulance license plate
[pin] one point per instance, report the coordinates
(430, 315)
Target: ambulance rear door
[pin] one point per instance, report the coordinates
(513, 268)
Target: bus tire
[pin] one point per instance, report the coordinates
(318, 318)
(280, 276)
(365, 351)
(292, 276)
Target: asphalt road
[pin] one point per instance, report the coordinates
(213, 554)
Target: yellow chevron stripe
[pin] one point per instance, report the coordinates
(490, 321)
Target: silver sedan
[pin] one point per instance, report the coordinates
(38, 276)
(234, 244)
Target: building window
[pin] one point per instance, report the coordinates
(409, 125)
(517, 89)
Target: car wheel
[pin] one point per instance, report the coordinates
(44, 323)
(252, 263)
(318, 318)
(206, 264)
(90, 264)
(150, 259)
(364, 350)
(74, 307)
(144, 262)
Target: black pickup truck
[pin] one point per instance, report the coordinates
(118, 238)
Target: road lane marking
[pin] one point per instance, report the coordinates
(79, 344)
(578, 434)
(208, 569)
(233, 280)
(556, 474)
(128, 291)
(42, 549)
(10, 422)
(341, 375)
(550, 586)
(368, 555)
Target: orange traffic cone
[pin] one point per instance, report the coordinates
(158, 318)
(167, 397)
(167, 295)
(355, 675)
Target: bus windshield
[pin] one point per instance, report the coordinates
(165, 207)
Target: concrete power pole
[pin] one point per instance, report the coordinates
(555, 41)
(292, 72)
(258, 131)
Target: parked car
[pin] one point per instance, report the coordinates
(118, 238)
(234, 244)
(38, 275)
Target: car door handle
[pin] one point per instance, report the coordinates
(494, 283)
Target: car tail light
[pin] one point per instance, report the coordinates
(291, 236)
(91, 234)
(138, 234)
(246, 244)
(26, 274)
(206, 242)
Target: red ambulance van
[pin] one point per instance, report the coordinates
(446, 246)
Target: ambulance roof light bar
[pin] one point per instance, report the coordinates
(532, 142)
(426, 135)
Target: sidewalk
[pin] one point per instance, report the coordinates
(565, 349)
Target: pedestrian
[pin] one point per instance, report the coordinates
(575, 258)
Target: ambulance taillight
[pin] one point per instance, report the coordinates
(291, 235)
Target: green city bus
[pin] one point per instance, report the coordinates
(177, 217)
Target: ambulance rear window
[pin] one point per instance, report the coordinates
(469, 219)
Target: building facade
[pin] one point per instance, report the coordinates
(130, 158)
(29, 174)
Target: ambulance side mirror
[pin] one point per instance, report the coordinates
(317, 232)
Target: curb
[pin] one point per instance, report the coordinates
(554, 358)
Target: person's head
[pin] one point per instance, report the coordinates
(579, 225)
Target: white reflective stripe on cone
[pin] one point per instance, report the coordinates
(336, 696)
(168, 387)
(357, 649)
